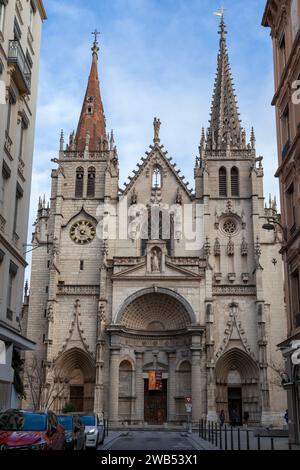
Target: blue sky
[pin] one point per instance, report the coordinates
(157, 58)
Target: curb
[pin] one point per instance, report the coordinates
(110, 440)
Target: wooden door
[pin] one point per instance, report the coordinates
(155, 404)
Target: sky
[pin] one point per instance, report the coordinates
(157, 59)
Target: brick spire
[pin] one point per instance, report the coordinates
(91, 126)
(225, 129)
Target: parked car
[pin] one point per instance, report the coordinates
(94, 429)
(30, 430)
(74, 431)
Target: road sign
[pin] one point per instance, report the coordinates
(188, 400)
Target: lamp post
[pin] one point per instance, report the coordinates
(270, 225)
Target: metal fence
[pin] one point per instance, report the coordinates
(235, 438)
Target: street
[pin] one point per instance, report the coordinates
(151, 440)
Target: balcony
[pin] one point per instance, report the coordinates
(22, 73)
(8, 145)
(2, 224)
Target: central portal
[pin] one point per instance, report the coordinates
(155, 403)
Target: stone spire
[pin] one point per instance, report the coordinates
(225, 129)
(92, 119)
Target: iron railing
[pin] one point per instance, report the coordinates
(17, 56)
(228, 437)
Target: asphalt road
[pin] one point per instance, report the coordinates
(150, 440)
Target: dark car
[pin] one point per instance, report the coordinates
(30, 430)
(74, 431)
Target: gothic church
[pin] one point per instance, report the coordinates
(137, 326)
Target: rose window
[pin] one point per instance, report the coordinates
(230, 227)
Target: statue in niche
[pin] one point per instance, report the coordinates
(178, 198)
(155, 260)
(133, 197)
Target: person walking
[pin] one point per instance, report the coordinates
(246, 418)
(286, 419)
(222, 418)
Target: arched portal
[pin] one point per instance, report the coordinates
(153, 331)
(154, 309)
(237, 388)
(76, 369)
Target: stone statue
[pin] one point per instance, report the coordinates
(156, 125)
(178, 198)
(133, 197)
(155, 261)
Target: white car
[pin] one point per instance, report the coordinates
(94, 430)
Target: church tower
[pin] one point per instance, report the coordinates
(131, 316)
(242, 320)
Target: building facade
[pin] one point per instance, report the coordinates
(132, 315)
(283, 17)
(20, 37)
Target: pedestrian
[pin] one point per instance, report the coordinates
(246, 418)
(286, 419)
(222, 418)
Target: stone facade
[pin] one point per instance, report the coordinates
(20, 38)
(202, 317)
(283, 18)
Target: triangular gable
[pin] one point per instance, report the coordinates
(157, 149)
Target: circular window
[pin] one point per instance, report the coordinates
(230, 227)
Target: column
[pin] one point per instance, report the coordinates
(139, 387)
(196, 385)
(172, 386)
(114, 385)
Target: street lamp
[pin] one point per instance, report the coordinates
(270, 225)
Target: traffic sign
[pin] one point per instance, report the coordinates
(188, 400)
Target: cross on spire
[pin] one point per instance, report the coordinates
(95, 48)
(220, 12)
(96, 34)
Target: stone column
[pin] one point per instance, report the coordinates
(114, 385)
(196, 385)
(172, 386)
(139, 387)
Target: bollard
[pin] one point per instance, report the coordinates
(216, 428)
(290, 446)
(248, 443)
(221, 447)
(205, 423)
(231, 436)
(226, 437)
(258, 442)
(272, 443)
(239, 439)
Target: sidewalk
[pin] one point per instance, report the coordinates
(112, 436)
(198, 443)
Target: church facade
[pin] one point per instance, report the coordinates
(154, 296)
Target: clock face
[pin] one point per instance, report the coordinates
(82, 232)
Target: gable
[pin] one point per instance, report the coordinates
(141, 182)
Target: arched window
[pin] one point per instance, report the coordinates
(79, 182)
(91, 182)
(222, 182)
(156, 178)
(235, 184)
